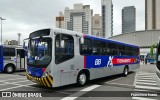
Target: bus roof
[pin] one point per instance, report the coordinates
(90, 36)
(74, 33)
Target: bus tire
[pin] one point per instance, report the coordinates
(9, 68)
(125, 71)
(82, 79)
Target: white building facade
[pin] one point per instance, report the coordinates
(152, 14)
(107, 18)
(79, 18)
(143, 39)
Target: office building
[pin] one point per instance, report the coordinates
(79, 18)
(152, 14)
(128, 19)
(96, 22)
(107, 18)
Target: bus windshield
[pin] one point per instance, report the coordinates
(42, 58)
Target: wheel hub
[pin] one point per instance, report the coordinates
(82, 78)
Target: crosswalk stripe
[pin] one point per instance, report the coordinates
(146, 74)
(151, 81)
(148, 87)
(152, 75)
(145, 78)
(145, 82)
(142, 83)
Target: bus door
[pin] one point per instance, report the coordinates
(21, 59)
(1, 58)
(64, 58)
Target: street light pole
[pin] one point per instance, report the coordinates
(1, 27)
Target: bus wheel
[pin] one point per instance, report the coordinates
(125, 71)
(81, 79)
(9, 68)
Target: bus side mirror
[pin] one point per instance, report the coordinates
(62, 43)
(81, 40)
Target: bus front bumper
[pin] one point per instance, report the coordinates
(45, 81)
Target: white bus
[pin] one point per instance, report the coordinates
(12, 58)
(71, 57)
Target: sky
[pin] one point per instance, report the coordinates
(26, 16)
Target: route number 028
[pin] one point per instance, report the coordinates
(98, 62)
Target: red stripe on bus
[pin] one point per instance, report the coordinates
(123, 60)
(43, 69)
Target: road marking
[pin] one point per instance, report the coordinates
(120, 84)
(47, 89)
(6, 75)
(144, 73)
(3, 84)
(69, 98)
(77, 94)
(146, 78)
(15, 87)
(20, 81)
(154, 84)
(148, 87)
(29, 84)
(10, 88)
(146, 81)
(142, 98)
(90, 88)
(11, 79)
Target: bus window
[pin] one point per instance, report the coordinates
(86, 48)
(135, 51)
(99, 48)
(128, 51)
(65, 53)
(111, 49)
(121, 50)
(9, 51)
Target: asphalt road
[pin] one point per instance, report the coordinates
(110, 88)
